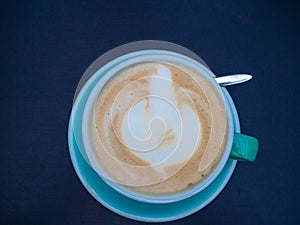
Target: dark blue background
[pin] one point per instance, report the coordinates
(47, 45)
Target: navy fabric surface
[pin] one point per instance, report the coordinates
(47, 45)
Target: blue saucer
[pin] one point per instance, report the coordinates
(141, 211)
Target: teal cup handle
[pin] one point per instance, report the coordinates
(244, 148)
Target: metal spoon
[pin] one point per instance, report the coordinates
(233, 79)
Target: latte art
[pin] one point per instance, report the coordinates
(155, 126)
(158, 128)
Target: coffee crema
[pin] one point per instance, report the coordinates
(158, 128)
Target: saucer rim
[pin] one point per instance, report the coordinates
(156, 219)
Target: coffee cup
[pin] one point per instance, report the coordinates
(156, 126)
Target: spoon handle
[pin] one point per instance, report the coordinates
(233, 79)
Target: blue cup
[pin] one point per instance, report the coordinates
(239, 146)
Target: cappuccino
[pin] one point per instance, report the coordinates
(158, 128)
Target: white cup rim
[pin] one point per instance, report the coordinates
(130, 59)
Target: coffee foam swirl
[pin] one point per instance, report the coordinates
(153, 129)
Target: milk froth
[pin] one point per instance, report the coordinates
(158, 128)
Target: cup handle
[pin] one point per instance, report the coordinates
(244, 148)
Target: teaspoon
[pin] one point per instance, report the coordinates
(233, 79)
